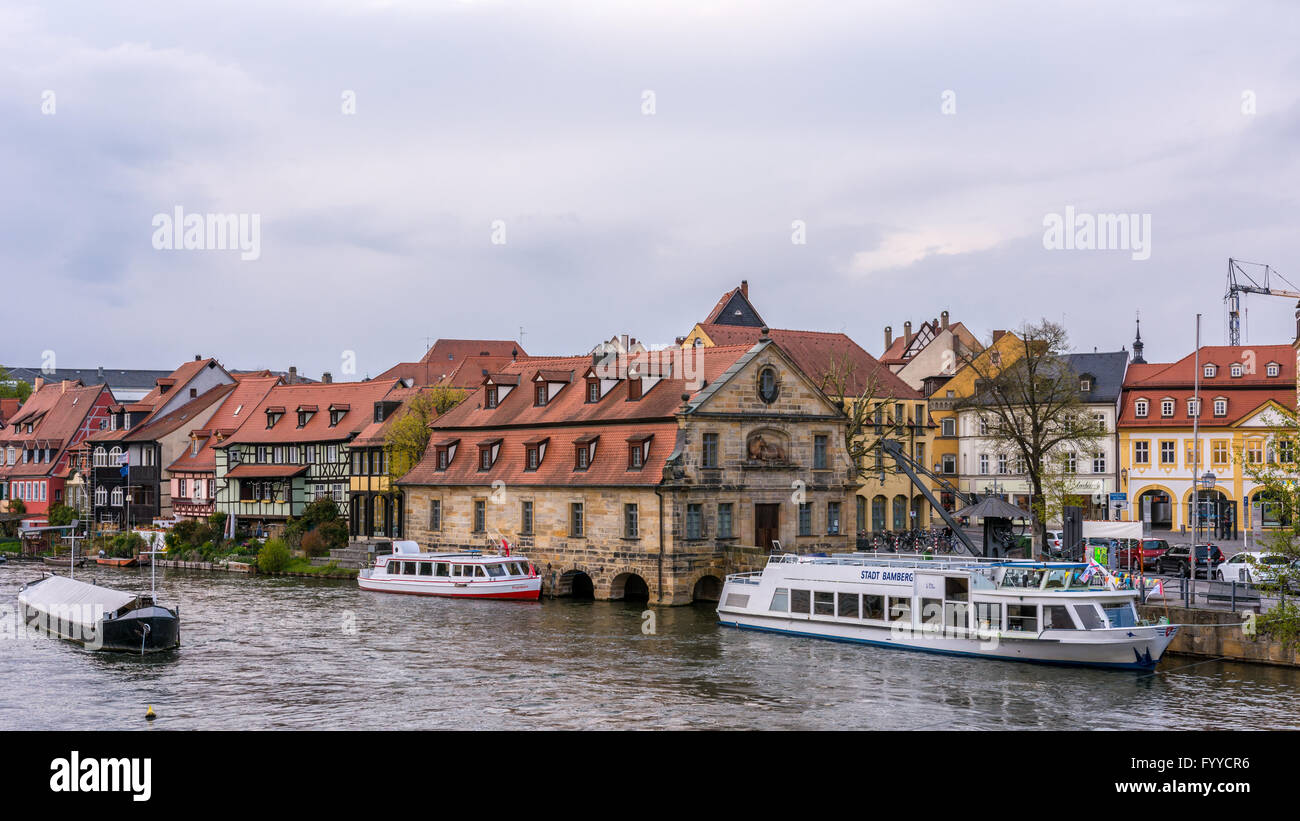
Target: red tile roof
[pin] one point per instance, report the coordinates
(462, 373)
(448, 352)
(58, 413)
(235, 410)
(153, 430)
(1245, 394)
(818, 353)
(8, 407)
(359, 396)
(716, 313)
(567, 419)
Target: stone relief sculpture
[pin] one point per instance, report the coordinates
(765, 448)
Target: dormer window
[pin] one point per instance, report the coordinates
(1236, 369)
(490, 396)
(535, 452)
(1166, 407)
(1085, 385)
(1220, 406)
(445, 452)
(1193, 407)
(487, 453)
(1273, 369)
(337, 412)
(1140, 408)
(305, 413)
(273, 415)
(593, 391)
(1210, 370)
(541, 395)
(584, 452)
(638, 450)
(633, 386)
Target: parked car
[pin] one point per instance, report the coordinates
(1054, 541)
(1256, 568)
(1177, 560)
(1149, 553)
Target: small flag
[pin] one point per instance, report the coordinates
(505, 546)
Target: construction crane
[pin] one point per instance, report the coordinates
(1241, 282)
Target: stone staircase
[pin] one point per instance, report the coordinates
(354, 557)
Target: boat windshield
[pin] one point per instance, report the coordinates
(1029, 577)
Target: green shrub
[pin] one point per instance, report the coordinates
(273, 557)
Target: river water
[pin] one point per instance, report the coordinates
(262, 652)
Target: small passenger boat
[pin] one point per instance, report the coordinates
(127, 562)
(63, 561)
(1049, 612)
(470, 575)
(99, 618)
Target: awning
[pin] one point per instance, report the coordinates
(992, 507)
(61, 594)
(266, 471)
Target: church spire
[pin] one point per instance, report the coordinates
(1137, 344)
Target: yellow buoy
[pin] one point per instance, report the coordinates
(149, 714)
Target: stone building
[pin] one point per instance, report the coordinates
(638, 476)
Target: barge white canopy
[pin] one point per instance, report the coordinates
(59, 594)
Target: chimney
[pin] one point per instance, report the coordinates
(100, 373)
(293, 374)
(907, 332)
(198, 357)
(38, 383)
(326, 378)
(998, 335)
(889, 336)
(744, 288)
(63, 386)
(943, 318)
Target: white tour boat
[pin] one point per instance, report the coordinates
(471, 575)
(1050, 612)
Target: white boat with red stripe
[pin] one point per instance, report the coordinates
(469, 575)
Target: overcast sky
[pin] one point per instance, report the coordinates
(376, 227)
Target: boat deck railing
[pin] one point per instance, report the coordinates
(906, 560)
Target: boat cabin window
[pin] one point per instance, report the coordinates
(1088, 616)
(846, 605)
(458, 570)
(988, 615)
(1057, 579)
(931, 611)
(408, 568)
(780, 600)
(496, 570)
(1057, 617)
(800, 601)
(1121, 615)
(900, 609)
(444, 569)
(479, 571)
(518, 569)
(956, 589)
(426, 568)
(1022, 577)
(873, 607)
(823, 604)
(1022, 617)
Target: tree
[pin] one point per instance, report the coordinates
(408, 435)
(11, 388)
(61, 515)
(1278, 477)
(1027, 405)
(873, 412)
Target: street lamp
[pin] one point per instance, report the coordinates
(1207, 484)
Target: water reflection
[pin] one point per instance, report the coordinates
(281, 653)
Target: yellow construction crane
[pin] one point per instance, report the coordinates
(1240, 281)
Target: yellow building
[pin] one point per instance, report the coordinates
(1245, 391)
